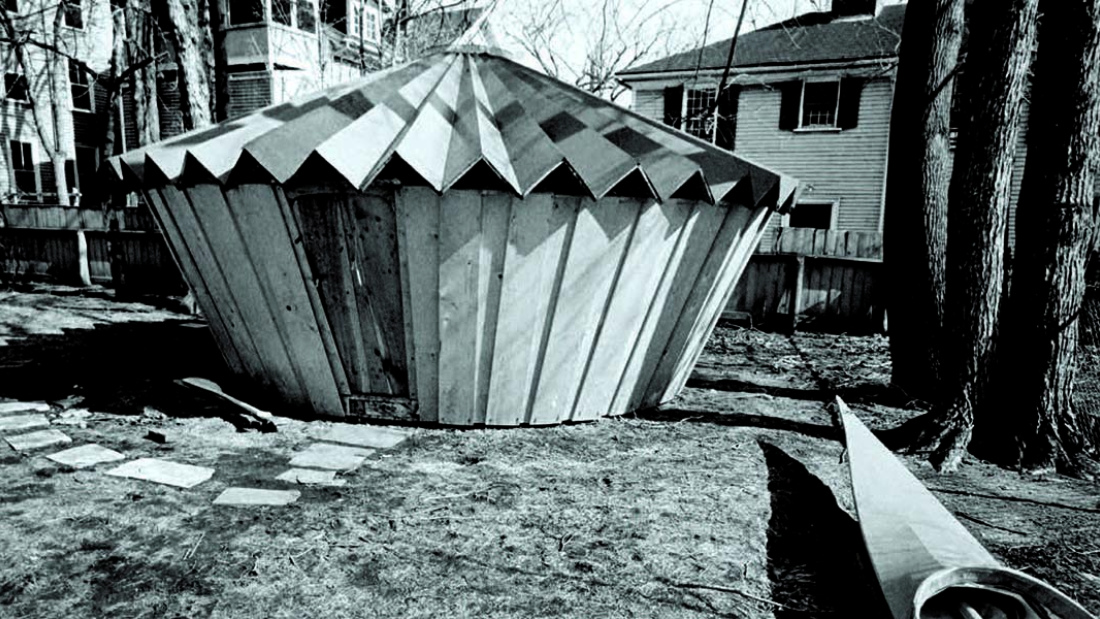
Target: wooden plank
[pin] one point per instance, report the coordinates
(420, 208)
(324, 239)
(459, 255)
(194, 260)
(537, 235)
(844, 302)
(818, 242)
(687, 261)
(724, 263)
(270, 249)
(406, 298)
(496, 214)
(654, 239)
(833, 240)
(797, 281)
(320, 317)
(595, 253)
(377, 282)
(228, 249)
(69, 218)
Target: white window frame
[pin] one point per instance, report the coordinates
(834, 211)
(34, 167)
(355, 9)
(802, 101)
(88, 85)
(19, 72)
(684, 110)
(375, 35)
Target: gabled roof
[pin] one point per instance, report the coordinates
(454, 115)
(806, 39)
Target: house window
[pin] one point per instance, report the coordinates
(820, 104)
(370, 23)
(698, 113)
(74, 13)
(246, 12)
(12, 6)
(354, 10)
(87, 162)
(80, 87)
(281, 11)
(16, 88)
(22, 165)
(306, 20)
(819, 215)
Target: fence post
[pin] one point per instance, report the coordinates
(795, 307)
(83, 270)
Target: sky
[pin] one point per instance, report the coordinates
(675, 25)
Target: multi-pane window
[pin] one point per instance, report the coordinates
(281, 12)
(246, 12)
(22, 165)
(355, 9)
(699, 113)
(370, 23)
(80, 87)
(820, 101)
(73, 13)
(306, 20)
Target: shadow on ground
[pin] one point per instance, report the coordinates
(116, 367)
(816, 559)
(729, 418)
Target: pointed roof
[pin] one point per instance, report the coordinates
(450, 114)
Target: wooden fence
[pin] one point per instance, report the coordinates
(68, 244)
(825, 277)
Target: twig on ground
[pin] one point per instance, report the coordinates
(195, 547)
(761, 599)
(967, 516)
(1017, 499)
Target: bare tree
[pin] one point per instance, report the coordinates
(187, 26)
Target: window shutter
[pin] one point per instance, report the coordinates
(848, 114)
(727, 117)
(791, 93)
(674, 101)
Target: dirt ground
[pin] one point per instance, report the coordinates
(732, 501)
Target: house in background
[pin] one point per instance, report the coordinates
(810, 96)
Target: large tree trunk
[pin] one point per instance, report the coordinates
(1002, 37)
(915, 230)
(185, 23)
(142, 42)
(1055, 219)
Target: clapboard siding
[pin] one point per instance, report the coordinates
(650, 103)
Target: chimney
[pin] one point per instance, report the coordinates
(854, 8)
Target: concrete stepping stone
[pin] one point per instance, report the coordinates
(311, 477)
(23, 407)
(85, 456)
(37, 439)
(328, 456)
(362, 436)
(18, 423)
(256, 496)
(163, 472)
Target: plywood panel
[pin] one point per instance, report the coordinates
(321, 219)
(228, 249)
(596, 250)
(496, 212)
(747, 229)
(700, 233)
(654, 240)
(205, 279)
(459, 255)
(419, 206)
(269, 247)
(537, 235)
(377, 278)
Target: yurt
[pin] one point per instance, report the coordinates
(458, 241)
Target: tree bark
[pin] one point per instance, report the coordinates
(1002, 37)
(184, 23)
(1055, 221)
(915, 227)
(141, 43)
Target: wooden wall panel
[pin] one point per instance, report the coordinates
(459, 255)
(496, 212)
(537, 237)
(270, 251)
(419, 206)
(596, 250)
(654, 239)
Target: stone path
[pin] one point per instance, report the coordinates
(339, 448)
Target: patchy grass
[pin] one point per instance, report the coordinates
(725, 503)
